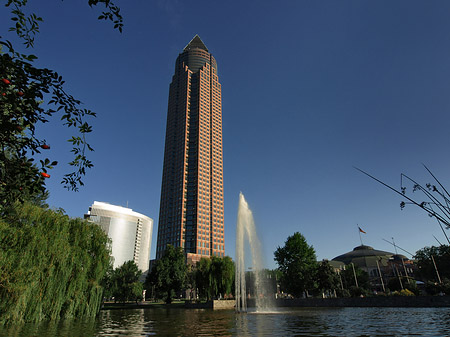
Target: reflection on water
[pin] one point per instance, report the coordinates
(285, 322)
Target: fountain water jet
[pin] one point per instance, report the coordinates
(245, 229)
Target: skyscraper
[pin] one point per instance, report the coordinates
(191, 209)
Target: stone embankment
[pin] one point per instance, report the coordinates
(379, 301)
(216, 304)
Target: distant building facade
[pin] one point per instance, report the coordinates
(192, 202)
(129, 231)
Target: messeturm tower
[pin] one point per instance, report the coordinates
(191, 210)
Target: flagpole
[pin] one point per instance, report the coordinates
(434, 263)
(354, 274)
(381, 276)
(340, 278)
(359, 232)
(395, 247)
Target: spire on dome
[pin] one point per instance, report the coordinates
(196, 43)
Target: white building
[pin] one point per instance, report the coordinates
(130, 233)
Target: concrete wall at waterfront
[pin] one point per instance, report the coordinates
(194, 305)
(222, 304)
(379, 301)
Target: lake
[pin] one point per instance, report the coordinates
(283, 322)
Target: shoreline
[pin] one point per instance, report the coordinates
(356, 302)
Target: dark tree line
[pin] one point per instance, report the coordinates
(210, 278)
(434, 268)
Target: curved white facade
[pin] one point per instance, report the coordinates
(129, 231)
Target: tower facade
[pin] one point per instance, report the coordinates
(192, 203)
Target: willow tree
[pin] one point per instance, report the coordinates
(51, 266)
(204, 278)
(214, 276)
(222, 269)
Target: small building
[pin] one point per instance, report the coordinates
(130, 233)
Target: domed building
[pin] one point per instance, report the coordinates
(374, 261)
(366, 258)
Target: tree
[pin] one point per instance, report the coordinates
(401, 283)
(26, 26)
(348, 279)
(204, 278)
(190, 282)
(125, 285)
(226, 275)
(435, 288)
(107, 282)
(29, 96)
(326, 278)
(43, 277)
(168, 274)
(297, 263)
(51, 266)
(426, 270)
(214, 276)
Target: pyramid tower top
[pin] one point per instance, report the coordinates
(196, 43)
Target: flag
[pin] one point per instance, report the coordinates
(361, 230)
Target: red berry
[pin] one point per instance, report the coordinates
(3, 93)
(6, 81)
(19, 128)
(20, 93)
(45, 146)
(45, 175)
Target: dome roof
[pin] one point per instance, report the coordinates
(399, 257)
(365, 256)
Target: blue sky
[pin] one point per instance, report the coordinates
(309, 90)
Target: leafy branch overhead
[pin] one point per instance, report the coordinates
(27, 26)
(29, 96)
(23, 91)
(112, 13)
(436, 198)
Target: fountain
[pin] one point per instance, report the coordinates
(245, 229)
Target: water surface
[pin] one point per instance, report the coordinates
(284, 322)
